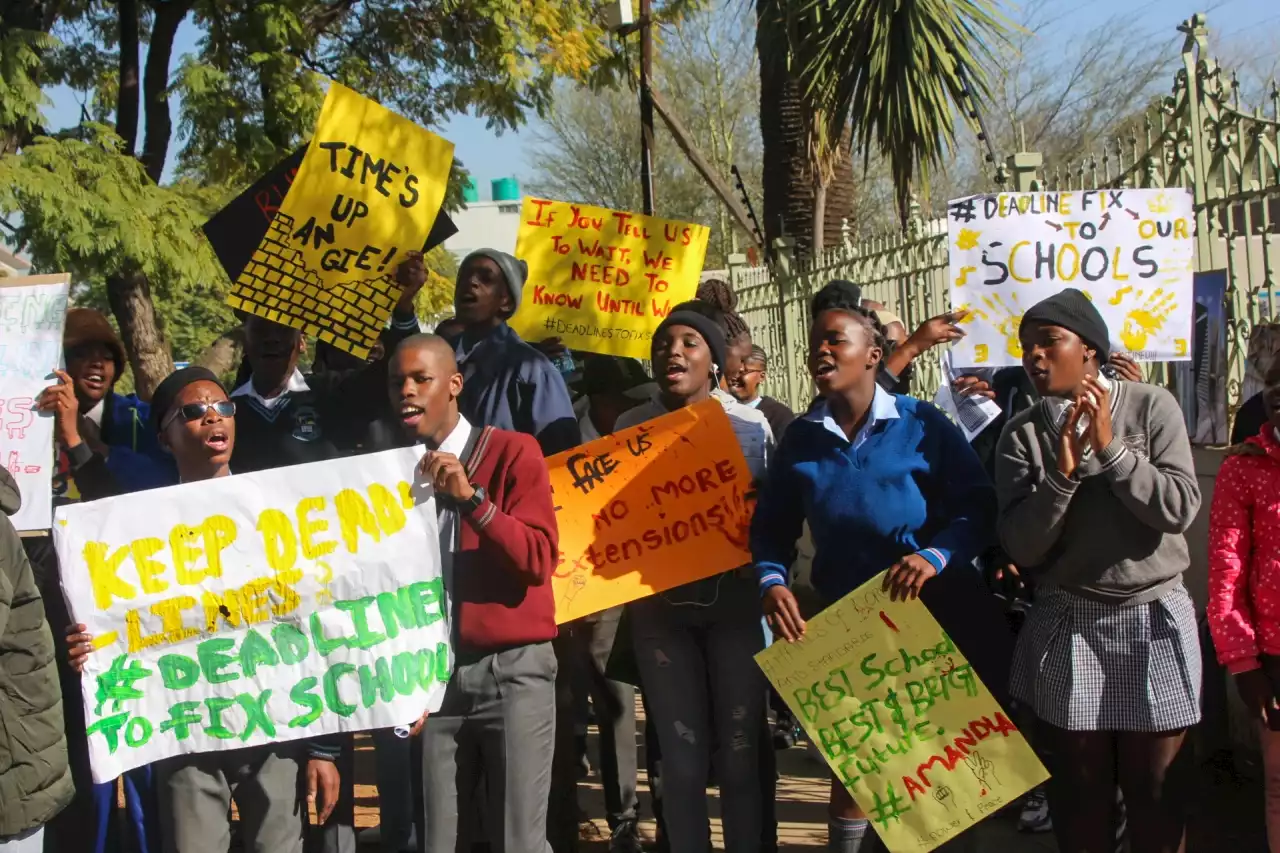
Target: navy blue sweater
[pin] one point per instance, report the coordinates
(909, 483)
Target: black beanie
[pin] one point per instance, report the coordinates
(1072, 310)
(514, 270)
(166, 393)
(711, 331)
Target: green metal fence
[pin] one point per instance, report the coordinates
(1199, 136)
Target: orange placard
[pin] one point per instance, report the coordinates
(649, 508)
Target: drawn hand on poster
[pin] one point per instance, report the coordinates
(1147, 316)
(983, 770)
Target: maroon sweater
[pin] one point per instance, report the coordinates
(508, 547)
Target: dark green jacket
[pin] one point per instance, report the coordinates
(35, 780)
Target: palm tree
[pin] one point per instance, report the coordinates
(891, 75)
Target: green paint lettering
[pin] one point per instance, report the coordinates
(358, 610)
(324, 645)
(442, 663)
(255, 651)
(255, 710)
(403, 672)
(428, 601)
(374, 680)
(182, 717)
(213, 658)
(331, 697)
(302, 696)
(397, 610)
(216, 705)
(110, 729)
(291, 642)
(426, 668)
(178, 672)
(138, 731)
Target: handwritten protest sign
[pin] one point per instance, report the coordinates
(368, 190)
(32, 312)
(649, 508)
(236, 231)
(602, 280)
(257, 608)
(902, 719)
(1131, 251)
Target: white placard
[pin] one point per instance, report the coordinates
(1130, 251)
(257, 608)
(33, 310)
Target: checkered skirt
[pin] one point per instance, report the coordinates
(1086, 665)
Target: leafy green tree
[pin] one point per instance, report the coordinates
(89, 199)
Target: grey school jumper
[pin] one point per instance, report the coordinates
(1113, 531)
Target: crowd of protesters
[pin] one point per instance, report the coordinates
(1075, 502)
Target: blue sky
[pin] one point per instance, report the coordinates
(490, 156)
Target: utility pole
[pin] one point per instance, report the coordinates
(646, 106)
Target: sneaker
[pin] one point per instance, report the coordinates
(1035, 813)
(625, 838)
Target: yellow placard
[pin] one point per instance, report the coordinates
(367, 192)
(602, 280)
(649, 508)
(902, 719)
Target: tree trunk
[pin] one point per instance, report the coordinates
(222, 355)
(127, 98)
(129, 295)
(790, 185)
(819, 219)
(155, 85)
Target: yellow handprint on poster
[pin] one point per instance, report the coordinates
(1145, 321)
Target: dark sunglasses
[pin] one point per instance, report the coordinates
(195, 411)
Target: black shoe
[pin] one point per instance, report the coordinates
(785, 736)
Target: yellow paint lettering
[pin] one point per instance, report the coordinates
(219, 532)
(1071, 227)
(1013, 257)
(1115, 267)
(1180, 230)
(1064, 203)
(225, 605)
(406, 494)
(1068, 275)
(149, 570)
(182, 541)
(353, 516)
(1146, 229)
(278, 540)
(981, 354)
(104, 574)
(170, 613)
(133, 631)
(308, 528)
(286, 598)
(254, 603)
(386, 509)
(1179, 346)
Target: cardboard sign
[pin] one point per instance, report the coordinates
(602, 280)
(33, 310)
(369, 187)
(236, 230)
(902, 718)
(649, 508)
(257, 608)
(1130, 251)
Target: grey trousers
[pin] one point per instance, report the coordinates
(591, 639)
(496, 724)
(699, 676)
(195, 794)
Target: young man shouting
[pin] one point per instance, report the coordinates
(498, 543)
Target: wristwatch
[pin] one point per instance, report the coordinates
(472, 503)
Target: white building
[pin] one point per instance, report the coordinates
(489, 224)
(12, 264)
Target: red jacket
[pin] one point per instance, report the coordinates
(508, 547)
(1244, 555)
